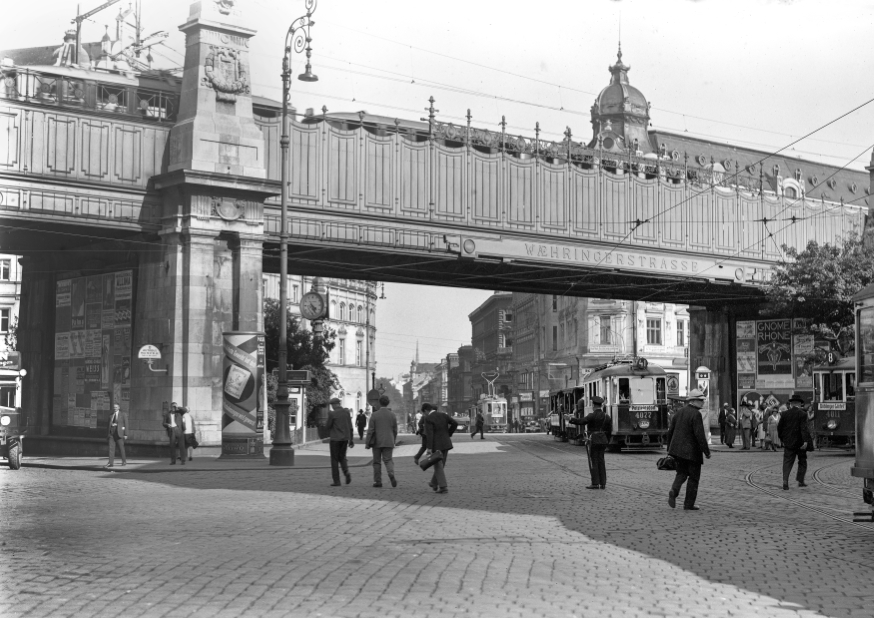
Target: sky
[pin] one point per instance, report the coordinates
(758, 73)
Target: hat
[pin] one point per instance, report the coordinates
(333, 401)
(597, 401)
(745, 404)
(796, 397)
(695, 394)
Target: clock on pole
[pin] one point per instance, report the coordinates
(313, 306)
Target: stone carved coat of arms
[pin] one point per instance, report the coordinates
(225, 73)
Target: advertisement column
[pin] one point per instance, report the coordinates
(243, 404)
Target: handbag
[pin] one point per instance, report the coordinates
(666, 463)
(430, 460)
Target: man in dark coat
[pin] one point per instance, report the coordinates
(478, 426)
(795, 436)
(420, 430)
(721, 419)
(600, 427)
(686, 443)
(439, 428)
(339, 428)
(361, 423)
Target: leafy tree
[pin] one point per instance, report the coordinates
(819, 282)
(304, 352)
(11, 337)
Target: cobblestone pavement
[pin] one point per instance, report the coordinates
(517, 535)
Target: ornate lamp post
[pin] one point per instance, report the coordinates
(297, 38)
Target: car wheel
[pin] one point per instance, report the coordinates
(15, 456)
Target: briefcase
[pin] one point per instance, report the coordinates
(430, 460)
(666, 463)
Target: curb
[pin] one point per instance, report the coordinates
(115, 470)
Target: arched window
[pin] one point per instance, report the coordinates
(342, 311)
(362, 317)
(790, 192)
(333, 310)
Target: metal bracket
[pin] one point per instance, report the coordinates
(152, 369)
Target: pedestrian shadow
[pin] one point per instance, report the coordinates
(742, 537)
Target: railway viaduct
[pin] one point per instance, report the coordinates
(146, 211)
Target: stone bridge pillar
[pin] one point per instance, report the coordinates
(709, 345)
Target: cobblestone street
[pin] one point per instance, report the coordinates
(517, 535)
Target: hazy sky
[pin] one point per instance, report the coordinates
(753, 72)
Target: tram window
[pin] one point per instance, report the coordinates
(851, 386)
(624, 389)
(661, 391)
(833, 387)
(865, 349)
(642, 390)
(7, 396)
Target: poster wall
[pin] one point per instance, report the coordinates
(242, 401)
(93, 320)
(772, 361)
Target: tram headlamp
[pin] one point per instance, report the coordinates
(5, 420)
(832, 424)
(643, 424)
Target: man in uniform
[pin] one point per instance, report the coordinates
(686, 443)
(721, 419)
(600, 427)
(795, 436)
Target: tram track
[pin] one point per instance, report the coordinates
(749, 480)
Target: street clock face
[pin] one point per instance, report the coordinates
(312, 306)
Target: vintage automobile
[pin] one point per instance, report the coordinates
(12, 428)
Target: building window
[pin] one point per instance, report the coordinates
(554, 338)
(358, 353)
(790, 193)
(654, 331)
(7, 396)
(295, 298)
(563, 334)
(362, 317)
(508, 316)
(4, 320)
(342, 311)
(333, 310)
(554, 303)
(5, 270)
(341, 351)
(681, 333)
(606, 332)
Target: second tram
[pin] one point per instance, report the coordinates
(834, 407)
(864, 464)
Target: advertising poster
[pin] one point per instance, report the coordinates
(242, 412)
(803, 349)
(92, 353)
(774, 354)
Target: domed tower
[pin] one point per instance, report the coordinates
(620, 115)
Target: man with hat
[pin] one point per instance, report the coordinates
(795, 436)
(686, 444)
(746, 423)
(721, 419)
(600, 427)
(339, 428)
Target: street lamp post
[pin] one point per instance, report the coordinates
(297, 38)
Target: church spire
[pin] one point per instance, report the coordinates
(417, 351)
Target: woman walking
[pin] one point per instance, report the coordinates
(730, 427)
(773, 421)
(188, 431)
(761, 429)
(439, 427)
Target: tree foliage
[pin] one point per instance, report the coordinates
(10, 339)
(819, 282)
(304, 352)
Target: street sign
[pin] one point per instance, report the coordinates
(149, 352)
(298, 376)
(373, 398)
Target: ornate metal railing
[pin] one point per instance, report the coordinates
(45, 88)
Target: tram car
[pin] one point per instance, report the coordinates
(635, 396)
(863, 466)
(834, 406)
(562, 407)
(494, 411)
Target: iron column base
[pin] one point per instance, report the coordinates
(281, 455)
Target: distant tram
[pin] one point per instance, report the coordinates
(635, 396)
(834, 405)
(492, 407)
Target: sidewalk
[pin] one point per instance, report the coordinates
(311, 456)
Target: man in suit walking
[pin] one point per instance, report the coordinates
(361, 423)
(439, 428)
(794, 433)
(117, 435)
(600, 427)
(686, 443)
(173, 424)
(382, 434)
(479, 421)
(721, 419)
(339, 428)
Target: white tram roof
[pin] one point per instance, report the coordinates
(864, 294)
(625, 369)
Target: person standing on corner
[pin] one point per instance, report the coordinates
(794, 433)
(117, 435)
(188, 433)
(600, 427)
(173, 423)
(746, 424)
(339, 428)
(361, 423)
(686, 443)
(730, 427)
(721, 419)
(478, 426)
(381, 437)
(439, 428)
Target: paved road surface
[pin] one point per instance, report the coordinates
(517, 535)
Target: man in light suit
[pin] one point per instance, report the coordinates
(173, 425)
(382, 434)
(117, 435)
(339, 427)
